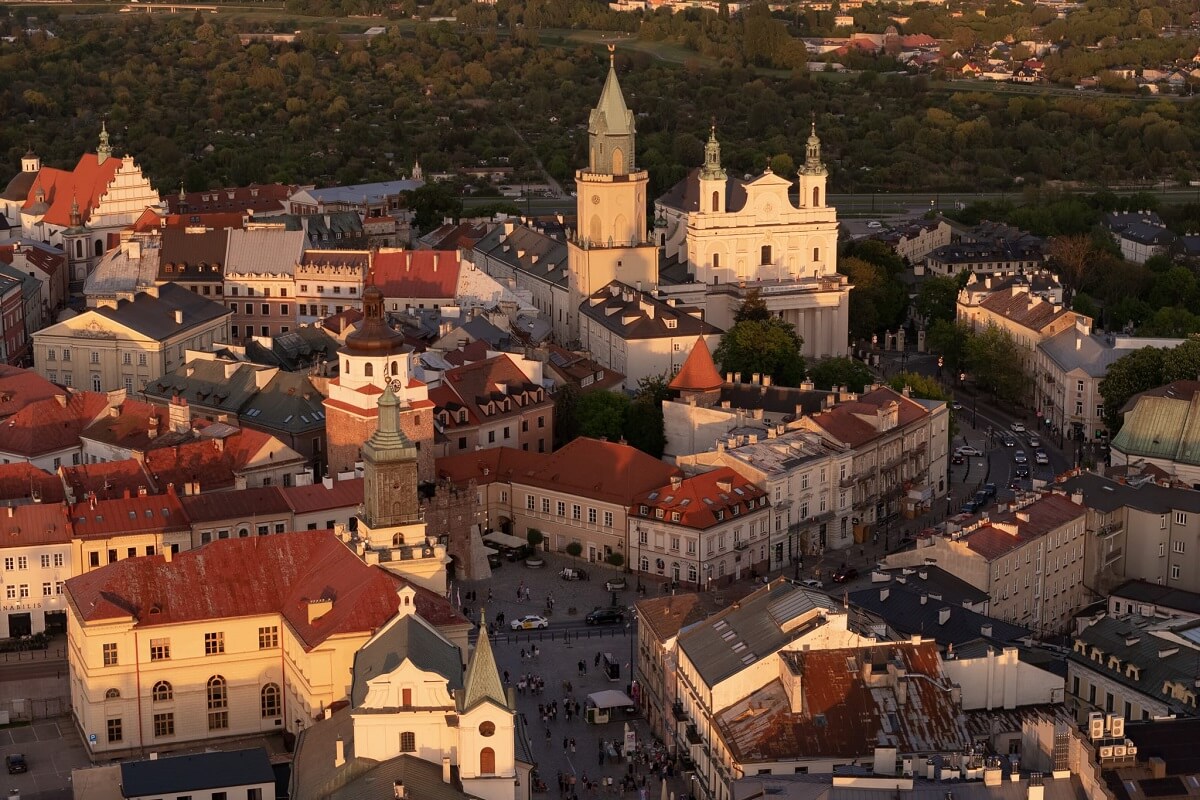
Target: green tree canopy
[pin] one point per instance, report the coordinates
(769, 347)
(849, 372)
(937, 298)
(1142, 370)
(601, 415)
(995, 362)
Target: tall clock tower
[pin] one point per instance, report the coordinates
(611, 242)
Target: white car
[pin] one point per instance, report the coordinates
(874, 224)
(967, 450)
(1035, 442)
(1017, 427)
(530, 622)
(812, 584)
(1041, 457)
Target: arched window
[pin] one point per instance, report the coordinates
(395, 368)
(369, 369)
(408, 742)
(716, 260)
(99, 247)
(218, 694)
(397, 539)
(816, 196)
(766, 254)
(716, 201)
(162, 692)
(816, 254)
(487, 761)
(112, 694)
(271, 703)
(618, 162)
(346, 369)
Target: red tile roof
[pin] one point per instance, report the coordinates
(606, 471)
(213, 221)
(258, 575)
(304, 499)
(1006, 532)
(475, 351)
(49, 425)
(108, 480)
(488, 466)
(850, 421)
(265, 197)
(34, 524)
(23, 481)
(150, 514)
(213, 462)
(698, 499)
(148, 222)
(210, 506)
(493, 382)
(416, 273)
(129, 428)
(699, 373)
(20, 387)
(1024, 309)
(845, 716)
(85, 184)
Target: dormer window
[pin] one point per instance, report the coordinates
(462, 415)
(671, 323)
(658, 513)
(644, 510)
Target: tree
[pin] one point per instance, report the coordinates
(535, 537)
(937, 298)
(1071, 255)
(644, 418)
(849, 372)
(753, 308)
(768, 347)
(919, 385)
(949, 340)
(997, 365)
(431, 203)
(1128, 375)
(566, 414)
(601, 415)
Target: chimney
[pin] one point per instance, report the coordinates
(446, 769)
(327, 482)
(986, 631)
(924, 599)
(178, 316)
(339, 753)
(883, 594)
(943, 616)
(167, 553)
(1158, 767)
(398, 790)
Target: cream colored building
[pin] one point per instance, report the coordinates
(240, 637)
(130, 342)
(1030, 561)
(328, 282)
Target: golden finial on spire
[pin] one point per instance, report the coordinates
(612, 54)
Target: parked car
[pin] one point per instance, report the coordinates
(605, 616)
(967, 450)
(16, 763)
(518, 553)
(957, 406)
(1041, 457)
(812, 583)
(957, 458)
(1020, 457)
(530, 622)
(614, 584)
(845, 574)
(990, 490)
(569, 574)
(1017, 427)
(971, 506)
(981, 498)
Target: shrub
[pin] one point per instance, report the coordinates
(574, 549)
(616, 559)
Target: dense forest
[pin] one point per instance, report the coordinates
(197, 107)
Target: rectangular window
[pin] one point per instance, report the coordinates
(1180, 518)
(218, 720)
(576, 512)
(58, 559)
(1177, 547)
(160, 649)
(114, 730)
(164, 724)
(545, 505)
(283, 310)
(22, 562)
(1175, 572)
(214, 644)
(530, 502)
(47, 589)
(561, 507)
(268, 638)
(141, 359)
(608, 519)
(592, 516)
(110, 654)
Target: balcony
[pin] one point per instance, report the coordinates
(1110, 529)
(847, 482)
(740, 546)
(693, 735)
(678, 712)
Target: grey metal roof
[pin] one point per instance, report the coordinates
(1134, 641)
(265, 251)
(1164, 596)
(364, 192)
(904, 612)
(752, 629)
(155, 316)
(1103, 494)
(526, 250)
(181, 774)
(640, 315)
(938, 583)
(1094, 353)
(407, 639)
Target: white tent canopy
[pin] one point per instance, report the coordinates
(609, 698)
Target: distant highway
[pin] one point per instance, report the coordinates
(862, 204)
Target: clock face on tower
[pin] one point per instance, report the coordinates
(596, 199)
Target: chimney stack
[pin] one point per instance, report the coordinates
(339, 753)
(446, 769)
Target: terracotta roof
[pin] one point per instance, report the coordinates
(20, 387)
(492, 383)
(577, 368)
(488, 466)
(845, 716)
(108, 480)
(239, 199)
(1007, 532)
(257, 575)
(225, 221)
(667, 616)
(303, 499)
(850, 422)
(148, 222)
(1022, 308)
(696, 500)
(53, 424)
(34, 524)
(607, 471)
(474, 351)
(22, 482)
(215, 457)
(129, 428)
(150, 514)
(209, 506)
(416, 273)
(85, 184)
(192, 256)
(699, 373)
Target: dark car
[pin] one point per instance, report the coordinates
(605, 616)
(1021, 471)
(845, 574)
(15, 763)
(971, 506)
(494, 560)
(518, 553)
(981, 498)
(957, 458)
(990, 490)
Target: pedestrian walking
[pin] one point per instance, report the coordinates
(596, 663)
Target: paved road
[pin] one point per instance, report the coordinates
(52, 749)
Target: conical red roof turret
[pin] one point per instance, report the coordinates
(699, 373)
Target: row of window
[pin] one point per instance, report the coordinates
(336, 289)
(560, 508)
(214, 644)
(20, 591)
(242, 533)
(94, 357)
(217, 693)
(22, 562)
(284, 309)
(130, 552)
(266, 292)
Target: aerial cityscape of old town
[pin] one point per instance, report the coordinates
(600, 399)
